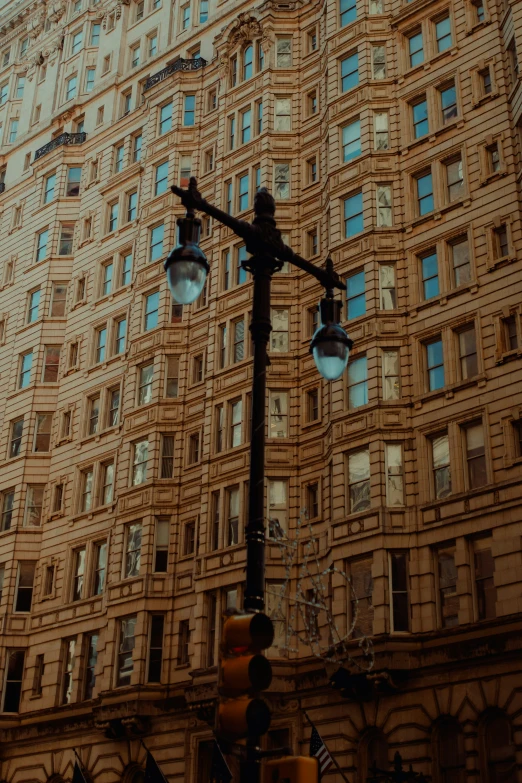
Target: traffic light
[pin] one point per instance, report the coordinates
(292, 769)
(243, 673)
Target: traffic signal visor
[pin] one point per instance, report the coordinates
(244, 672)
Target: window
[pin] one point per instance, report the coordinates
(232, 499)
(500, 241)
(361, 595)
(235, 423)
(161, 546)
(39, 668)
(58, 498)
(78, 574)
(165, 118)
(357, 382)
(278, 423)
(197, 368)
(394, 474)
(435, 364)
(100, 111)
(440, 458)
(447, 586)
(49, 188)
(283, 52)
(70, 88)
(172, 375)
(58, 300)
(189, 539)
(425, 202)
(114, 407)
(485, 77)
(388, 294)
(74, 175)
(132, 550)
(107, 487)
(126, 269)
(448, 103)
(353, 215)
(350, 72)
(13, 130)
(455, 180)
(209, 160)
(7, 509)
(24, 44)
(126, 645)
(136, 148)
(220, 425)
(443, 34)
(359, 481)
(15, 443)
(420, 118)
(279, 333)
(461, 261)
(185, 16)
(379, 62)
(184, 641)
(381, 140)
(312, 242)
(107, 270)
(42, 432)
(351, 140)
(76, 42)
(135, 56)
(475, 455)
(415, 49)
(100, 567)
(101, 344)
(91, 657)
(120, 334)
(94, 414)
(95, 34)
(241, 256)
(86, 489)
(33, 506)
(312, 40)
(277, 508)
(13, 680)
(468, 352)
(430, 274)
(493, 157)
(167, 456)
(242, 196)
(189, 109)
(193, 448)
(356, 296)
(238, 351)
(510, 334)
(312, 102)
(312, 404)
(161, 177)
(399, 601)
(348, 9)
(26, 362)
(282, 180)
(33, 306)
(283, 114)
(384, 206)
(151, 311)
(157, 623)
(156, 242)
(485, 590)
(139, 464)
(203, 11)
(24, 587)
(41, 245)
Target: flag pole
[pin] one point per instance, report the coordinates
(331, 754)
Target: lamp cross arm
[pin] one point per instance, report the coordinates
(192, 199)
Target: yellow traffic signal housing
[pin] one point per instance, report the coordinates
(243, 673)
(291, 769)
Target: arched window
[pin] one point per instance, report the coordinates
(500, 750)
(373, 750)
(248, 62)
(133, 773)
(449, 755)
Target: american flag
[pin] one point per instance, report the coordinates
(320, 751)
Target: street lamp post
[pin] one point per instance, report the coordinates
(186, 268)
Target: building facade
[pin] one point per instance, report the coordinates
(390, 135)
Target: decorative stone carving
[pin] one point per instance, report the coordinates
(34, 62)
(244, 29)
(55, 11)
(53, 47)
(36, 25)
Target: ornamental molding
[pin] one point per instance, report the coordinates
(115, 8)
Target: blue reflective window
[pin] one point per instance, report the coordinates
(356, 295)
(351, 140)
(420, 119)
(435, 361)
(430, 275)
(416, 49)
(425, 194)
(443, 34)
(350, 72)
(357, 382)
(353, 215)
(348, 11)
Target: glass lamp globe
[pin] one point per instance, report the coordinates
(186, 265)
(330, 344)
